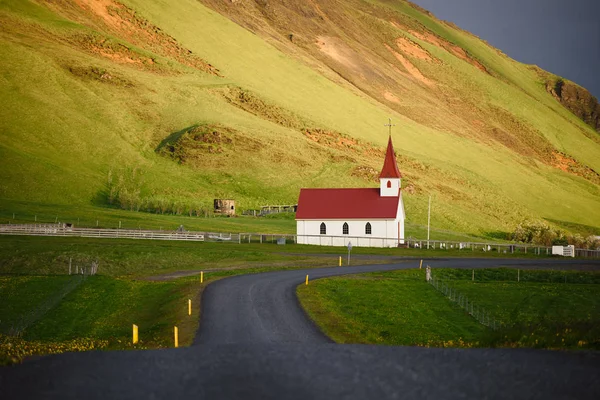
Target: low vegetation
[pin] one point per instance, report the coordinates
(140, 258)
(386, 308)
(97, 314)
(540, 233)
(546, 309)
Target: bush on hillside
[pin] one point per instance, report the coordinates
(537, 232)
(542, 234)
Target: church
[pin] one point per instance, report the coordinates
(369, 217)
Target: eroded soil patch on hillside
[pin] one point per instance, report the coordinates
(412, 70)
(100, 75)
(568, 164)
(449, 47)
(253, 104)
(389, 96)
(116, 18)
(412, 49)
(191, 145)
(339, 51)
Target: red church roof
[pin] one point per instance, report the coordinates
(390, 167)
(346, 203)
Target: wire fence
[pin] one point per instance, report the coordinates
(16, 328)
(77, 269)
(480, 314)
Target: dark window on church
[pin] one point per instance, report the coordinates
(368, 228)
(323, 228)
(389, 184)
(345, 229)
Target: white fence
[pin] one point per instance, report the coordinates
(64, 230)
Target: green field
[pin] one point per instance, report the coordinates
(98, 313)
(400, 308)
(141, 258)
(97, 117)
(542, 309)
(385, 308)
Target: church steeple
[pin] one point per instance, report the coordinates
(390, 167)
(389, 178)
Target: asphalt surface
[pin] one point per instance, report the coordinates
(255, 342)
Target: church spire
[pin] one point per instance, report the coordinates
(390, 167)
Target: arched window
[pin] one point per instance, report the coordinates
(345, 229)
(323, 228)
(368, 228)
(389, 184)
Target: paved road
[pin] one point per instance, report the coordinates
(256, 342)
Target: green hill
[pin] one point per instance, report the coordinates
(162, 106)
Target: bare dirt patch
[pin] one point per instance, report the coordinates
(114, 51)
(253, 104)
(568, 164)
(331, 139)
(412, 70)
(389, 96)
(100, 75)
(337, 50)
(449, 47)
(192, 145)
(412, 49)
(116, 18)
(364, 172)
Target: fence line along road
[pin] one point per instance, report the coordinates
(480, 314)
(61, 229)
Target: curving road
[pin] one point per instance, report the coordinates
(255, 341)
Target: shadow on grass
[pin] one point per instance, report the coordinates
(173, 138)
(500, 235)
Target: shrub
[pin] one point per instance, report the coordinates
(540, 233)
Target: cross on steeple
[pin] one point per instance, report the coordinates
(390, 125)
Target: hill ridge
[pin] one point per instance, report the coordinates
(295, 91)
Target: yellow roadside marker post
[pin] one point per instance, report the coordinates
(340, 261)
(135, 333)
(201, 276)
(189, 307)
(307, 279)
(421, 265)
(176, 334)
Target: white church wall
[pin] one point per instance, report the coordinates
(384, 233)
(401, 217)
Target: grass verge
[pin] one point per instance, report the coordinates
(399, 308)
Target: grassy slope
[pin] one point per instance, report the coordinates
(26, 294)
(105, 308)
(400, 308)
(57, 125)
(99, 313)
